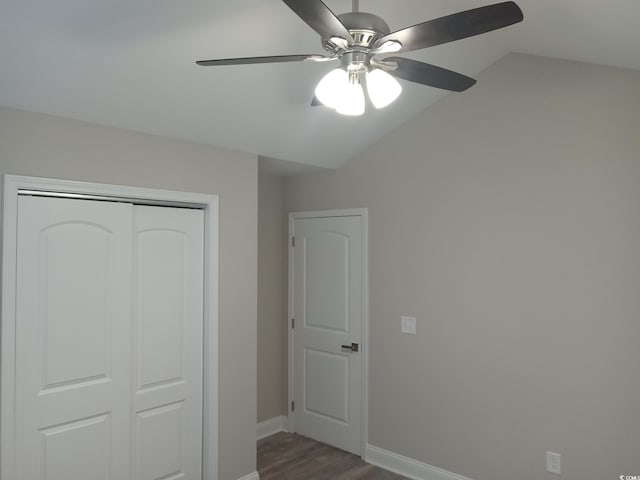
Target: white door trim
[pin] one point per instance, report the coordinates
(351, 212)
(209, 204)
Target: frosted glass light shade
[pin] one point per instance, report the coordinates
(352, 102)
(383, 89)
(332, 88)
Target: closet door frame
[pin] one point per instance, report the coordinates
(13, 185)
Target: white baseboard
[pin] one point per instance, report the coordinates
(251, 476)
(406, 466)
(272, 426)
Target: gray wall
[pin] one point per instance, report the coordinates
(272, 344)
(46, 146)
(506, 219)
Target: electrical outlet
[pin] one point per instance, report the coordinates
(554, 463)
(408, 325)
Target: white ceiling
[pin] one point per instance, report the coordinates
(130, 64)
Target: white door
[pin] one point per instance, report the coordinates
(89, 402)
(327, 311)
(72, 334)
(168, 343)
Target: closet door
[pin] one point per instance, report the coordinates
(109, 341)
(168, 342)
(73, 340)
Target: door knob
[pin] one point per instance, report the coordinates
(353, 347)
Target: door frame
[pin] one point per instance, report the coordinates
(363, 213)
(12, 185)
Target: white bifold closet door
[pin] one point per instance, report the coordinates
(109, 341)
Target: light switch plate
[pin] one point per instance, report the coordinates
(408, 325)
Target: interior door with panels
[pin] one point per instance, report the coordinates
(327, 308)
(109, 341)
(168, 342)
(72, 340)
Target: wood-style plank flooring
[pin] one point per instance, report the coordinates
(287, 456)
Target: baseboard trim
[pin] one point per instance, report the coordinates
(406, 466)
(251, 476)
(272, 426)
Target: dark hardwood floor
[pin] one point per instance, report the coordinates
(287, 456)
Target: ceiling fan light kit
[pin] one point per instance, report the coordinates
(342, 89)
(355, 39)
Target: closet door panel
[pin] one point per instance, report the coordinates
(73, 329)
(168, 342)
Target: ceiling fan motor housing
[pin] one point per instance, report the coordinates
(365, 28)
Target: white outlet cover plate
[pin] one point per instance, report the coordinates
(554, 463)
(408, 325)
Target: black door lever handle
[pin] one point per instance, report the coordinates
(353, 347)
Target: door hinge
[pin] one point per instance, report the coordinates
(293, 323)
(293, 406)
(293, 241)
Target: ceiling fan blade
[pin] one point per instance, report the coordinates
(319, 17)
(430, 75)
(252, 60)
(455, 27)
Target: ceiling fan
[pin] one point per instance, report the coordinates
(357, 39)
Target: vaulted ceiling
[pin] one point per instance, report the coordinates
(130, 64)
